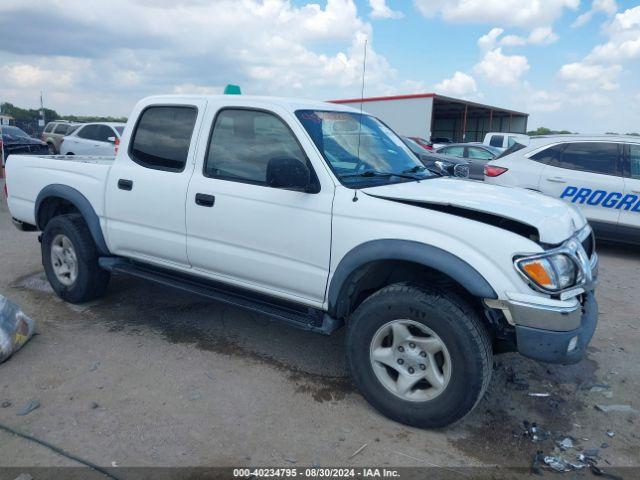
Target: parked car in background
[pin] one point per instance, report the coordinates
(93, 139)
(443, 164)
(437, 142)
(477, 154)
(54, 132)
(598, 174)
(16, 141)
(425, 144)
(504, 140)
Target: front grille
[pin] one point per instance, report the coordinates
(588, 245)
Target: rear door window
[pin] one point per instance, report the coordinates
(162, 137)
(496, 140)
(479, 153)
(455, 151)
(634, 159)
(89, 132)
(594, 157)
(61, 129)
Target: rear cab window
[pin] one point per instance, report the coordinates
(496, 140)
(61, 129)
(49, 127)
(162, 137)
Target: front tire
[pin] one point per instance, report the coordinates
(420, 356)
(70, 260)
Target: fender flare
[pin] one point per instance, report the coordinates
(411, 251)
(83, 205)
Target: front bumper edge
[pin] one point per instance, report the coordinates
(551, 346)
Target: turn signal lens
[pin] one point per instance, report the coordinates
(537, 272)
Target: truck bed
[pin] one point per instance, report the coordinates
(27, 175)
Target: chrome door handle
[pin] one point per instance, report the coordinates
(556, 180)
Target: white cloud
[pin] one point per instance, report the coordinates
(502, 69)
(601, 68)
(608, 7)
(459, 85)
(538, 36)
(266, 46)
(624, 39)
(380, 9)
(489, 40)
(581, 76)
(517, 13)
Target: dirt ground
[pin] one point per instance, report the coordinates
(149, 376)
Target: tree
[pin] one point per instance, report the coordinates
(547, 131)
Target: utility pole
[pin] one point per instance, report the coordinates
(43, 122)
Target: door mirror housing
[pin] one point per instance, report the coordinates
(111, 139)
(290, 174)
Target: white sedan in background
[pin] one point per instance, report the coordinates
(100, 138)
(598, 174)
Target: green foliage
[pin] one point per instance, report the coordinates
(547, 131)
(31, 114)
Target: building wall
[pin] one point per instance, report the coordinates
(410, 117)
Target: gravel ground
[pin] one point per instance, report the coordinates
(149, 376)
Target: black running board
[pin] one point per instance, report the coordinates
(290, 313)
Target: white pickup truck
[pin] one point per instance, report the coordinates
(319, 216)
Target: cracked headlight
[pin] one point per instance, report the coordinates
(553, 273)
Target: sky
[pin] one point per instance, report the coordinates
(571, 64)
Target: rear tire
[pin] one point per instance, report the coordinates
(420, 356)
(70, 260)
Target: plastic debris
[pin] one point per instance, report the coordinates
(6, 404)
(611, 433)
(614, 408)
(533, 432)
(558, 464)
(29, 407)
(94, 366)
(539, 394)
(566, 443)
(604, 445)
(16, 328)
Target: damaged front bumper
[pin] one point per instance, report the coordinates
(552, 346)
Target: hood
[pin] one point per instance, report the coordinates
(514, 209)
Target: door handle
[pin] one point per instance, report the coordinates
(556, 180)
(205, 200)
(125, 184)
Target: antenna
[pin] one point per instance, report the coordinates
(364, 71)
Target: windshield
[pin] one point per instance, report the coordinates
(13, 132)
(360, 149)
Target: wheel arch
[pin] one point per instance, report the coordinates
(415, 256)
(57, 199)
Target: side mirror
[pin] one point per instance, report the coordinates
(111, 139)
(288, 173)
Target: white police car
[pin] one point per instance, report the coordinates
(598, 174)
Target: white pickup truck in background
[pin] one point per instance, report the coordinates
(318, 216)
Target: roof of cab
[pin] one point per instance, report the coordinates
(287, 103)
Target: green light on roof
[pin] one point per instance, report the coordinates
(232, 90)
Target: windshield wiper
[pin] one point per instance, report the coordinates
(376, 173)
(421, 168)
